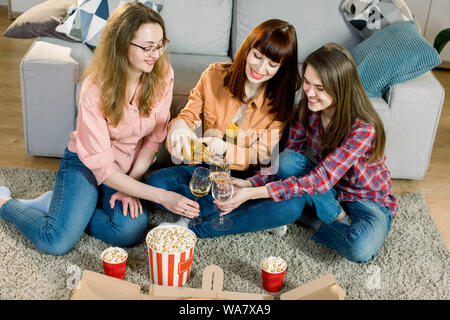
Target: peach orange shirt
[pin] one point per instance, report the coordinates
(105, 149)
(211, 102)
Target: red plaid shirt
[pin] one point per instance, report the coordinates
(347, 168)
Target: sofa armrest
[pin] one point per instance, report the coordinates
(415, 107)
(49, 74)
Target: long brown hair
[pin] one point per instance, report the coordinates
(277, 40)
(109, 65)
(337, 71)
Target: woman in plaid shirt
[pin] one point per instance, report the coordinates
(332, 174)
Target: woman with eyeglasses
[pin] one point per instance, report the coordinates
(123, 113)
(239, 110)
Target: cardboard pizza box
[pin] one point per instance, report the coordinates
(324, 288)
(96, 286)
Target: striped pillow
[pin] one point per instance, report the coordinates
(85, 23)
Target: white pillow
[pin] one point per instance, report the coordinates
(85, 23)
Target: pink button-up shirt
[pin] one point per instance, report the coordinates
(105, 149)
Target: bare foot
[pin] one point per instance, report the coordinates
(3, 200)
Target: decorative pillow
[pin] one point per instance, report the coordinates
(392, 55)
(40, 20)
(370, 16)
(87, 21)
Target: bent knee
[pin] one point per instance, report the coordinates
(157, 178)
(131, 233)
(293, 163)
(363, 251)
(288, 157)
(167, 178)
(58, 248)
(360, 257)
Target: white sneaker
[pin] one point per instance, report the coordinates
(5, 192)
(280, 231)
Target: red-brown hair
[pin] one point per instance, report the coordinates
(277, 40)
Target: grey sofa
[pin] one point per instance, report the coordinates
(206, 31)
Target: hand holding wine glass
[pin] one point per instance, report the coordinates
(221, 190)
(199, 186)
(241, 183)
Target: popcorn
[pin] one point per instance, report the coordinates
(114, 255)
(171, 239)
(274, 264)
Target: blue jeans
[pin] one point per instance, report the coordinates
(251, 216)
(359, 242)
(78, 205)
(246, 218)
(370, 223)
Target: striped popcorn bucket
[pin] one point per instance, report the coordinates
(170, 269)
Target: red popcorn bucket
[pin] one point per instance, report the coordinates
(272, 280)
(170, 254)
(114, 262)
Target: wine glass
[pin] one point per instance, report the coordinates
(218, 168)
(199, 186)
(221, 190)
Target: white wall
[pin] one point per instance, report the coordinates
(3, 2)
(420, 10)
(433, 16)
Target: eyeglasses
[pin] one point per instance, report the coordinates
(152, 49)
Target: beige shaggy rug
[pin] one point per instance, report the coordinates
(414, 262)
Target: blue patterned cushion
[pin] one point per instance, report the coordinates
(86, 22)
(392, 55)
(369, 16)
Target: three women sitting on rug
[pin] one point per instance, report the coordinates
(331, 176)
(341, 189)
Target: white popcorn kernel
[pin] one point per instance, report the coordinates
(274, 264)
(171, 239)
(114, 255)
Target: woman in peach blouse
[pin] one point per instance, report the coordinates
(122, 120)
(238, 110)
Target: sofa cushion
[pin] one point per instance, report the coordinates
(392, 55)
(51, 52)
(370, 16)
(87, 21)
(188, 69)
(316, 22)
(198, 26)
(48, 73)
(40, 20)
